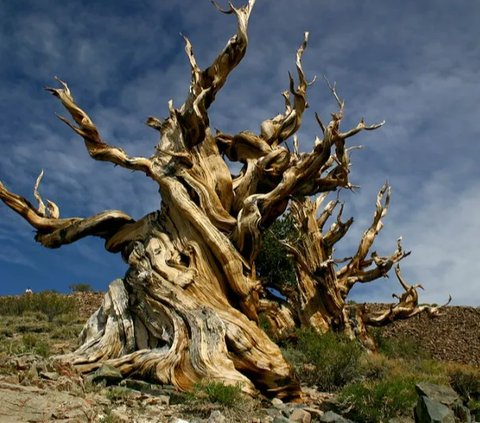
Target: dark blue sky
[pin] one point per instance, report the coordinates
(414, 64)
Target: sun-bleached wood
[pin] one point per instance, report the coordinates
(188, 307)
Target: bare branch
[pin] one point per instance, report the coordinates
(406, 307)
(53, 232)
(360, 127)
(340, 103)
(97, 149)
(52, 209)
(338, 230)
(214, 77)
(369, 235)
(281, 127)
(41, 205)
(320, 123)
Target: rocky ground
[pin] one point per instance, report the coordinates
(453, 336)
(34, 388)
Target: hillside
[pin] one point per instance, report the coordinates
(36, 387)
(452, 336)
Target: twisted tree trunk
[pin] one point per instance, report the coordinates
(187, 308)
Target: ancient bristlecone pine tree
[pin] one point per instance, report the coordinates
(187, 308)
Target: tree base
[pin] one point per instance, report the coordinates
(144, 339)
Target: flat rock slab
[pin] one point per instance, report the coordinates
(441, 393)
(22, 404)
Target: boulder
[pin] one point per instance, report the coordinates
(432, 411)
(440, 393)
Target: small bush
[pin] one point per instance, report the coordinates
(329, 361)
(226, 395)
(376, 366)
(379, 400)
(49, 303)
(474, 407)
(466, 381)
(81, 287)
(29, 343)
(399, 347)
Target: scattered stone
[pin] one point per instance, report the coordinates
(280, 419)
(431, 411)
(314, 411)
(177, 420)
(106, 374)
(301, 416)
(273, 412)
(160, 391)
(216, 417)
(49, 375)
(331, 417)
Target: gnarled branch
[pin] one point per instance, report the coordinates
(96, 147)
(52, 232)
(406, 307)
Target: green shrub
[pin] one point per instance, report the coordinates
(377, 401)
(474, 407)
(226, 395)
(49, 303)
(399, 347)
(466, 381)
(273, 264)
(81, 287)
(329, 361)
(29, 343)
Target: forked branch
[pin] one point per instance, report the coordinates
(97, 148)
(52, 232)
(281, 127)
(406, 307)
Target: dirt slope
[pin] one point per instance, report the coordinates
(453, 336)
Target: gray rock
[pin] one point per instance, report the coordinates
(331, 417)
(273, 412)
(280, 419)
(49, 375)
(440, 393)
(431, 411)
(106, 374)
(216, 417)
(301, 416)
(315, 412)
(161, 391)
(278, 403)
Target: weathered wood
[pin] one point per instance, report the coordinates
(188, 306)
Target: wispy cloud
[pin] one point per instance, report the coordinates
(413, 64)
